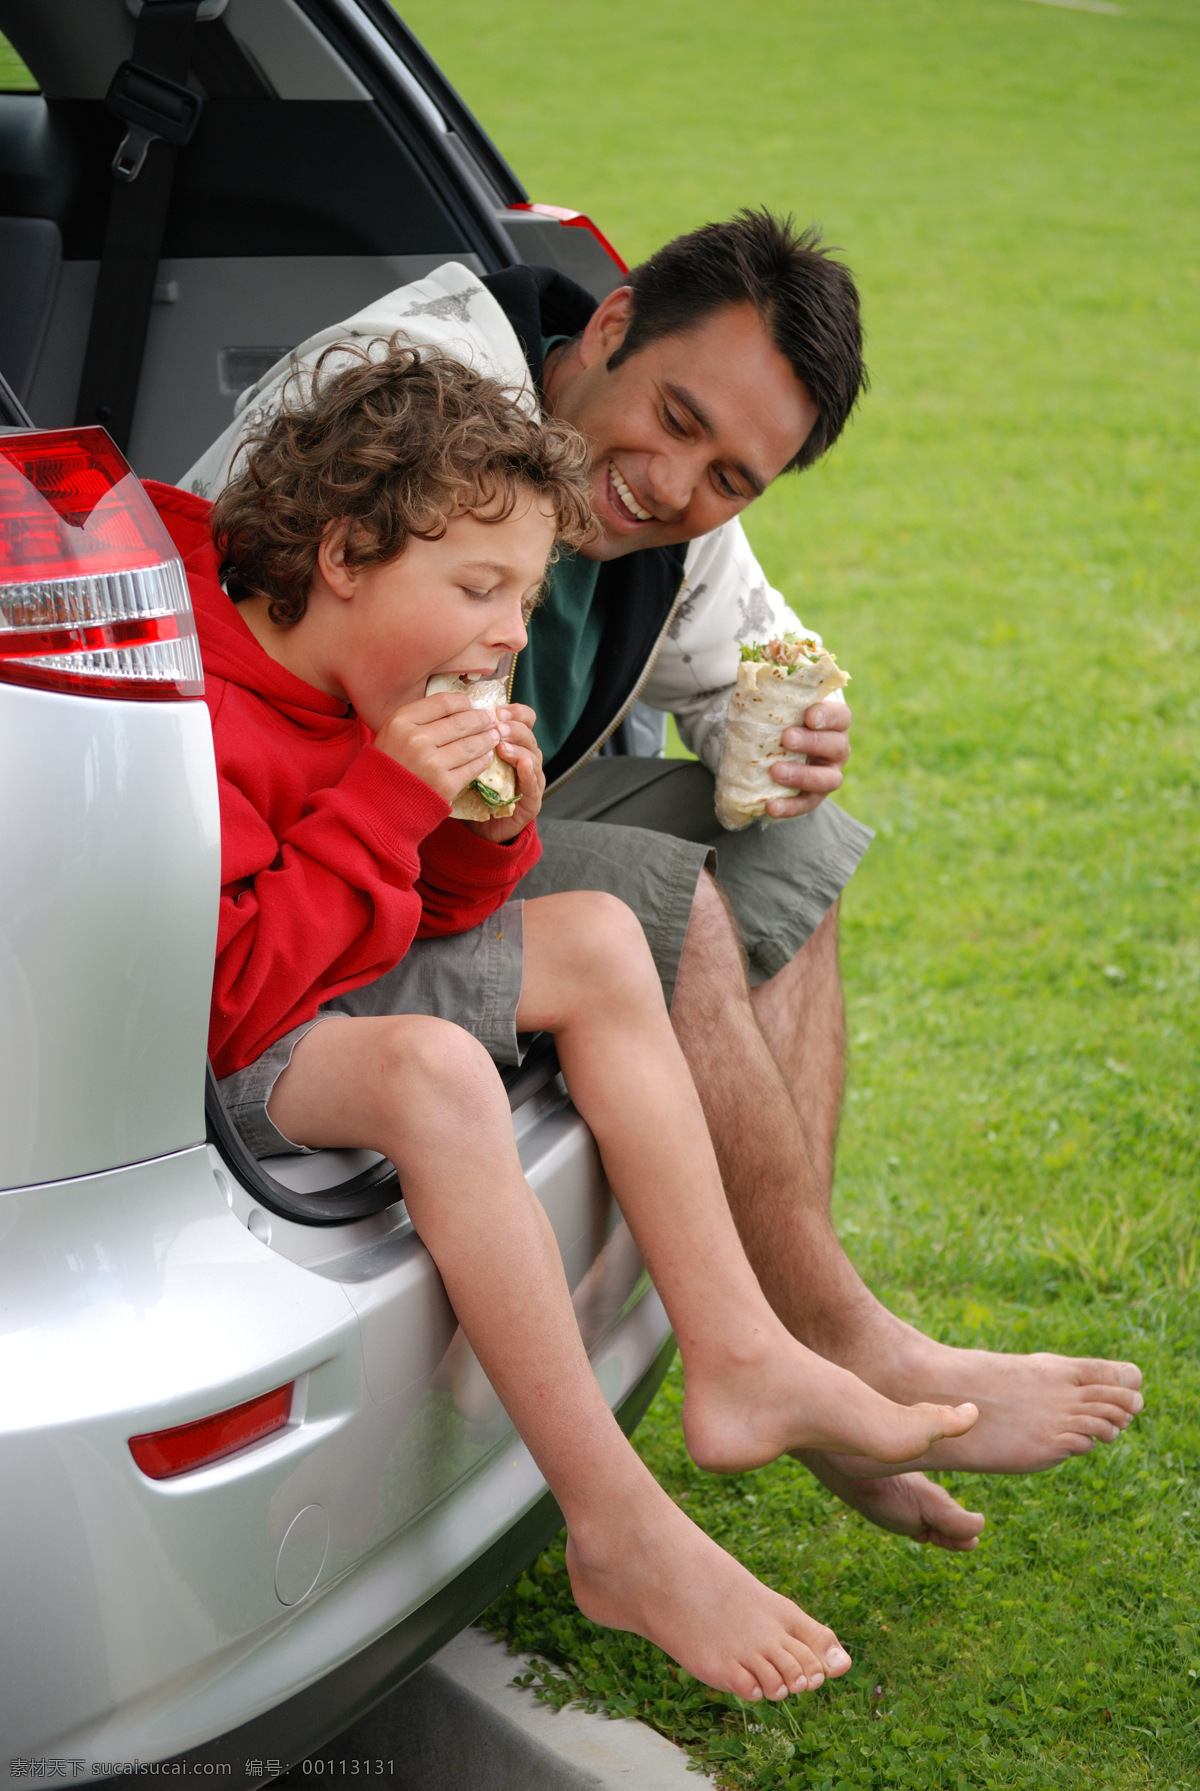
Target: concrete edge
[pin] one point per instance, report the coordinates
(461, 1725)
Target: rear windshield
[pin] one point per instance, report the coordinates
(14, 76)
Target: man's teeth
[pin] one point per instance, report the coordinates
(626, 496)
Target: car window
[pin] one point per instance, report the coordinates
(14, 76)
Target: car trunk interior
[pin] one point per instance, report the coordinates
(321, 174)
(331, 162)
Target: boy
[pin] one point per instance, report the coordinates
(370, 967)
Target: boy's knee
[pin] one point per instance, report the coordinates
(606, 935)
(421, 1055)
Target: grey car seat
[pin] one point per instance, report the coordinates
(30, 260)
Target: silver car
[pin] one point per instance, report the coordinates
(252, 1476)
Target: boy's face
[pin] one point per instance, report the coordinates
(454, 605)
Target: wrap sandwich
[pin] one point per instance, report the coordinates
(492, 796)
(777, 681)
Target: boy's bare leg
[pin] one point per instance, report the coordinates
(752, 1391)
(428, 1095)
(1035, 1410)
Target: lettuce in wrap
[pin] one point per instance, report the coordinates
(492, 796)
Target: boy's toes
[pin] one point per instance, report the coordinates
(769, 1676)
(799, 1666)
(818, 1642)
(919, 1426)
(744, 1684)
(953, 1420)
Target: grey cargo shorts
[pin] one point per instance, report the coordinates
(643, 829)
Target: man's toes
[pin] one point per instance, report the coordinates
(1116, 1402)
(1102, 1429)
(1105, 1424)
(1110, 1374)
(1076, 1443)
(1112, 1414)
(945, 1516)
(957, 1545)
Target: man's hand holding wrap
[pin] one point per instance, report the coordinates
(825, 739)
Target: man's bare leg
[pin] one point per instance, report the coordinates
(752, 1390)
(426, 1093)
(802, 1017)
(1036, 1410)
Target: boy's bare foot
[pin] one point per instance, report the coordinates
(1034, 1411)
(906, 1504)
(742, 1411)
(651, 1570)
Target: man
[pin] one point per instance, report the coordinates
(732, 356)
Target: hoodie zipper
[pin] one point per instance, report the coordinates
(632, 698)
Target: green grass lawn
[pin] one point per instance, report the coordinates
(1004, 552)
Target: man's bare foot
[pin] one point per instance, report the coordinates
(906, 1504)
(652, 1571)
(1034, 1411)
(743, 1410)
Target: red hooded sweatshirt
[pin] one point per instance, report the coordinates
(334, 858)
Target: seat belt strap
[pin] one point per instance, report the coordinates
(149, 94)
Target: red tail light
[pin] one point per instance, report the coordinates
(93, 597)
(161, 1454)
(575, 220)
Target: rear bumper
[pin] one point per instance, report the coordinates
(144, 1618)
(306, 1722)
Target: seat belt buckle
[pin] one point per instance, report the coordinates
(127, 163)
(152, 106)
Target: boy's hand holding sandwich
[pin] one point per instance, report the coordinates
(520, 750)
(475, 757)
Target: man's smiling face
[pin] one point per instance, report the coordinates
(687, 431)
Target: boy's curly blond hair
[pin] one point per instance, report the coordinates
(396, 444)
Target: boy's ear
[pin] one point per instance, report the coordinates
(341, 579)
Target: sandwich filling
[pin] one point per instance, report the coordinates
(492, 796)
(778, 681)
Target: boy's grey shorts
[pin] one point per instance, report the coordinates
(644, 828)
(471, 978)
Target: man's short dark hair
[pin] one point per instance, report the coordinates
(808, 303)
